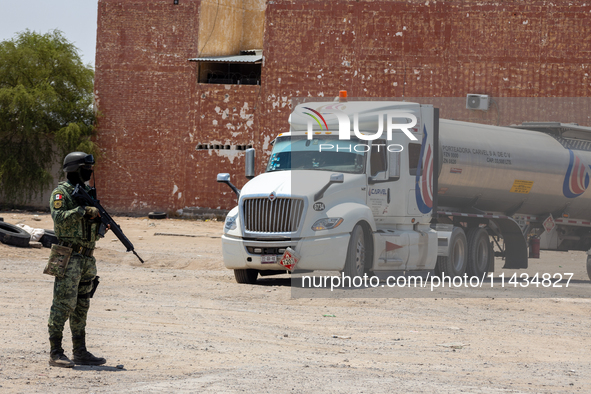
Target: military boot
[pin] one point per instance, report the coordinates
(83, 356)
(56, 354)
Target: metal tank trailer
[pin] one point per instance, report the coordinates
(537, 173)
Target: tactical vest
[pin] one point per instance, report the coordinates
(69, 222)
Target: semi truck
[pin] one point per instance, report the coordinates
(364, 186)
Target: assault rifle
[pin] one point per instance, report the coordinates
(107, 221)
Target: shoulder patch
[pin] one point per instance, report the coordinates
(57, 204)
(59, 196)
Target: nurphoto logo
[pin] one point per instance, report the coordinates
(345, 124)
(391, 119)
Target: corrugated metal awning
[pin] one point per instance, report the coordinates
(230, 59)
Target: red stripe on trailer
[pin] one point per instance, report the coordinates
(573, 221)
(472, 215)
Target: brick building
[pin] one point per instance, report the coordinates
(184, 86)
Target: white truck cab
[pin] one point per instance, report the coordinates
(349, 188)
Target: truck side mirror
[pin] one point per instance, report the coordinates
(394, 167)
(337, 178)
(225, 178)
(249, 163)
(334, 178)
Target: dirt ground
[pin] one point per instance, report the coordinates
(180, 323)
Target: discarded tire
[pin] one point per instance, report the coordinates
(157, 215)
(13, 235)
(48, 239)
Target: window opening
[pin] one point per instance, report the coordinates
(242, 69)
(378, 161)
(230, 73)
(414, 154)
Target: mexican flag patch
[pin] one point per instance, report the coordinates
(59, 196)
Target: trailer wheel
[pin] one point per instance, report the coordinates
(479, 252)
(247, 276)
(589, 266)
(356, 262)
(454, 264)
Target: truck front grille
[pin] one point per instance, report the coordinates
(282, 215)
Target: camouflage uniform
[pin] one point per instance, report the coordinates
(70, 293)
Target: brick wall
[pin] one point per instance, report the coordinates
(155, 113)
(144, 87)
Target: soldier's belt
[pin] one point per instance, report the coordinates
(84, 251)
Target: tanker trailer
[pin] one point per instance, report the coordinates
(536, 173)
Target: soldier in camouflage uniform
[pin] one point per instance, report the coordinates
(76, 227)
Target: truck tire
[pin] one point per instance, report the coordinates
(247, 276)
(441, 261)
(356, 262)
(479, 252)
(589, 267)
(491, 258)
(14, 235)
(454, 264)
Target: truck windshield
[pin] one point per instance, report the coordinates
(323, 153)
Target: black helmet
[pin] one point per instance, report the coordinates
(75, 160)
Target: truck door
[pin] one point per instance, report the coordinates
(383, 173)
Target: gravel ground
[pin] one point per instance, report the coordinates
(180, 323)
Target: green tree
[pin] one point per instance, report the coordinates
(46, 110)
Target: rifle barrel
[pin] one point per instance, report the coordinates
(134, 252)
(106, 219)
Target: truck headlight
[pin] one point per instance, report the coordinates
(327, 224)
(230, 223)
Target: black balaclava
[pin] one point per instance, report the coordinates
(85, 174)
(80, 176)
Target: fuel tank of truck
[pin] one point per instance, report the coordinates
(508, 170)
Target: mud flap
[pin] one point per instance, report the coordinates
(515, 243)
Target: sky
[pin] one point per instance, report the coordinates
(76, 19)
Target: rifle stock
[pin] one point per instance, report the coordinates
(107, 221)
